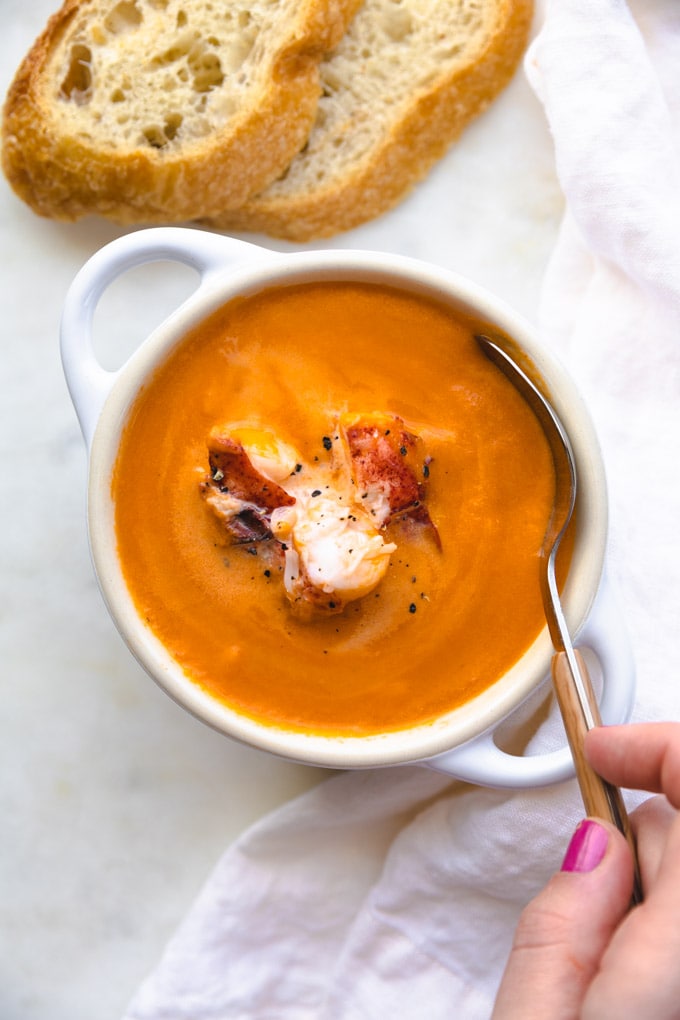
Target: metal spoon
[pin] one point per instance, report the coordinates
(571, 681)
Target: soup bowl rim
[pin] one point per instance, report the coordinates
(414, 743)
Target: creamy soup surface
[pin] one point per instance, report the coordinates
(458, 601)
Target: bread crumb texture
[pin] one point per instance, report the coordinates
(157, 73)
(165, 109)
(297, 118)
(399, 88)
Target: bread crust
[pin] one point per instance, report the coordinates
(63, 175)
(414, 140)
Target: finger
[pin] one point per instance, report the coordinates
(644, 756)
(563, 932)
(639, 974)
(651, 823)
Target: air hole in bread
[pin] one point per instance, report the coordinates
(117, 96)
(198, 62)
(397, 24)
(77, 84)
(206, 69)
(173, 53)
(181, 19)
(173, 123)
(332, 81)
(155, 136)
(124, 16)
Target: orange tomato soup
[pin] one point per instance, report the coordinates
(445, 622)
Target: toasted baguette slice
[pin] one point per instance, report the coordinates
(164, 110)
(404, 81)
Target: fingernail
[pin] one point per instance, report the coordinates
(587, 847)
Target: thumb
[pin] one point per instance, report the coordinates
(564, 931)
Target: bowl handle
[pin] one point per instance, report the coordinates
(481, 761)
(88, 382)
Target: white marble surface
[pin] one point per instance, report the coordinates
(114, 803)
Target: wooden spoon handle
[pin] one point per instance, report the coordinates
(601, 799)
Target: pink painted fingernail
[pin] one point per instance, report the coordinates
(587, 847)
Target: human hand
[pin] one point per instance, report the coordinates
(579, 952)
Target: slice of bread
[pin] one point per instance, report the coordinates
(404, 81)
(165, 110)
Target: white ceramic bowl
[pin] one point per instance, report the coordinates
(461, 743)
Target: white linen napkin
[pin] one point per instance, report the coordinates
(395, 893)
